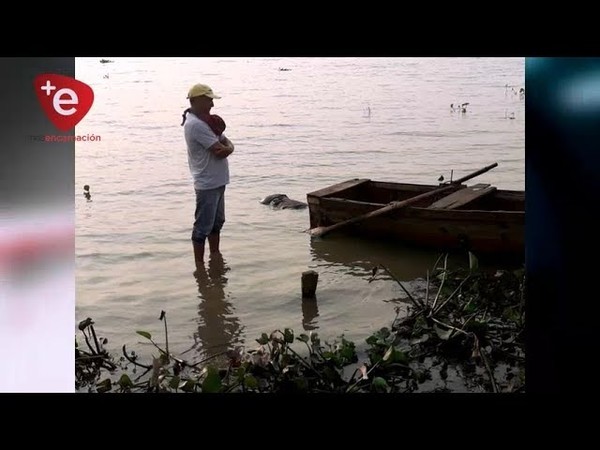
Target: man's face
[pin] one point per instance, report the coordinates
(203, 102)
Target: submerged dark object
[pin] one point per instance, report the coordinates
(282, 201)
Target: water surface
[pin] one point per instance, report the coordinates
(323, 121)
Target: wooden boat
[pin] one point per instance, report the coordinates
(478, 218)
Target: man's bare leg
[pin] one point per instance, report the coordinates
(213, 242)
(198, 254)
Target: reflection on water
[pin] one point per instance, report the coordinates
(359, 256)
(407, 263)
(218, 327)
(310, 312)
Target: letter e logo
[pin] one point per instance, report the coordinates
(65, 100)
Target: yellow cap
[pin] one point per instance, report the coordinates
(198, 90)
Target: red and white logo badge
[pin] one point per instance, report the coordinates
(65, 100)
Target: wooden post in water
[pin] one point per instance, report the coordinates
(310, 279)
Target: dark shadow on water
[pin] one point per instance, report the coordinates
(364, 254)
(218, 328)
(310, 311)
(406, 262)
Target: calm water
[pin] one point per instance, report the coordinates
(323, 121)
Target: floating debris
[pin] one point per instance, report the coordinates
(86, 193)
(460, 107)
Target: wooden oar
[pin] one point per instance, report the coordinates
(321, 231)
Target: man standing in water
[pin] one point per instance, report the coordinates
(208, 150)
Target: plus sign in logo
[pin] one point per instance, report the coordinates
(65, 100)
